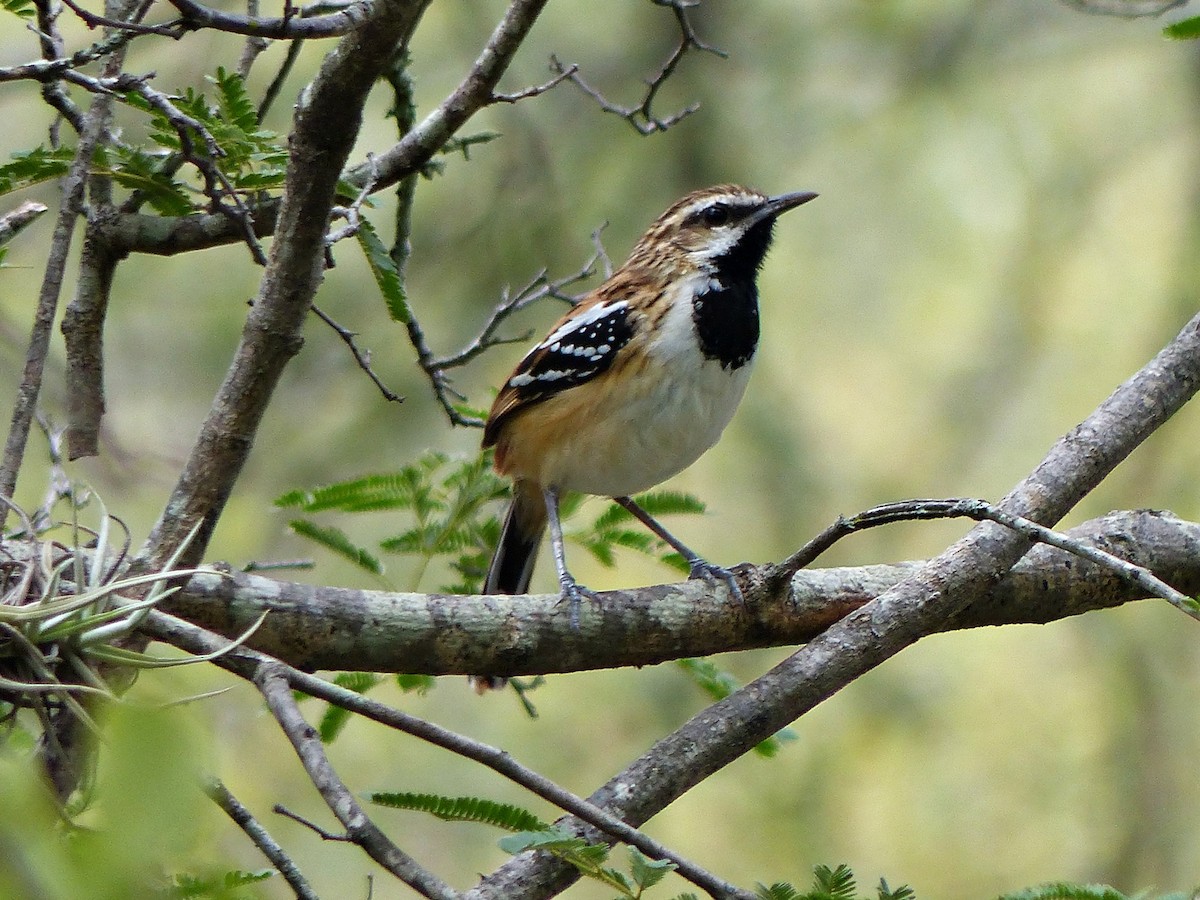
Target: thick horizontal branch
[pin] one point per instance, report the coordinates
(337, 628)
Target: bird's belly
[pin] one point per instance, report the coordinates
(641, 437)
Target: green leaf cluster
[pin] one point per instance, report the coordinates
(445, 500)
(252, 158)
(831, 884)
(223, 886)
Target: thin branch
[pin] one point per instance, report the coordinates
(93, 20)
(274, 686)
(473, 93)
(323, 833)
(537, 89)
(47, 306)
(246, 663)
(262, 839)
(362, 357)
(53, 66)
(271, 94)
(642, 117)
(255, 44)
(436, 367)
(1124, 9)
(336, 24)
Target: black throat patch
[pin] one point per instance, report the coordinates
(726, 316)
(726, 320)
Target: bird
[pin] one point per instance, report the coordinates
(635, 382)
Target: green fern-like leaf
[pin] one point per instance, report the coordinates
(374, 492)
(134, 169)
(416, 684)
(780, 890)
(383, 267)
(1061, 890)
(30, 167)
(223, 886)
(339, 542)
(234, 103)
(904, 892)
(465, 809)
(336, 717)
(648, 872)
(837, 883)
(1184, 30)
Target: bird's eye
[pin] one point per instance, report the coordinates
(716, 215)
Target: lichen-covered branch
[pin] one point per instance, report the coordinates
(339, 628)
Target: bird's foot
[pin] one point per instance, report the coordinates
(573, 592)
(712, 573)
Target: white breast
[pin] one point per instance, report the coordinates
(675, 410)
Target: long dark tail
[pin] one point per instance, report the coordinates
(516, 552)
(512, 563)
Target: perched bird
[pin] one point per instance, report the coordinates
(637, 380)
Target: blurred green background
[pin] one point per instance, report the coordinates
(1006, 230)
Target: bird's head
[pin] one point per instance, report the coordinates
(725, 230)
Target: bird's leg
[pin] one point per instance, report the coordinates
(572, 591)
(700, 567)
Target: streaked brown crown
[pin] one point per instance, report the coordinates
(694, 223)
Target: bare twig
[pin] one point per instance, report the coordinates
(981, 511)
(325, 25)
(276, 690)
(362, 357)
(641, 117)
(271, 94)
(52, 46)
(1124, 9)
(537, 289)
(537, 89)
(262, 839)
(255, 44)
(93, 20)
(323, 833)
(473, 93)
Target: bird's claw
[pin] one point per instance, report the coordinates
(573, 592)
(711, 573)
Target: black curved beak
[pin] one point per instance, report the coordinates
(777, 206)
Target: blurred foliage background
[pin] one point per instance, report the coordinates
(1006, 230)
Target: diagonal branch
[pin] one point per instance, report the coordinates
(473, 93)
(262, 839)
(917, 606)
(359, 827)
(255, 666)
